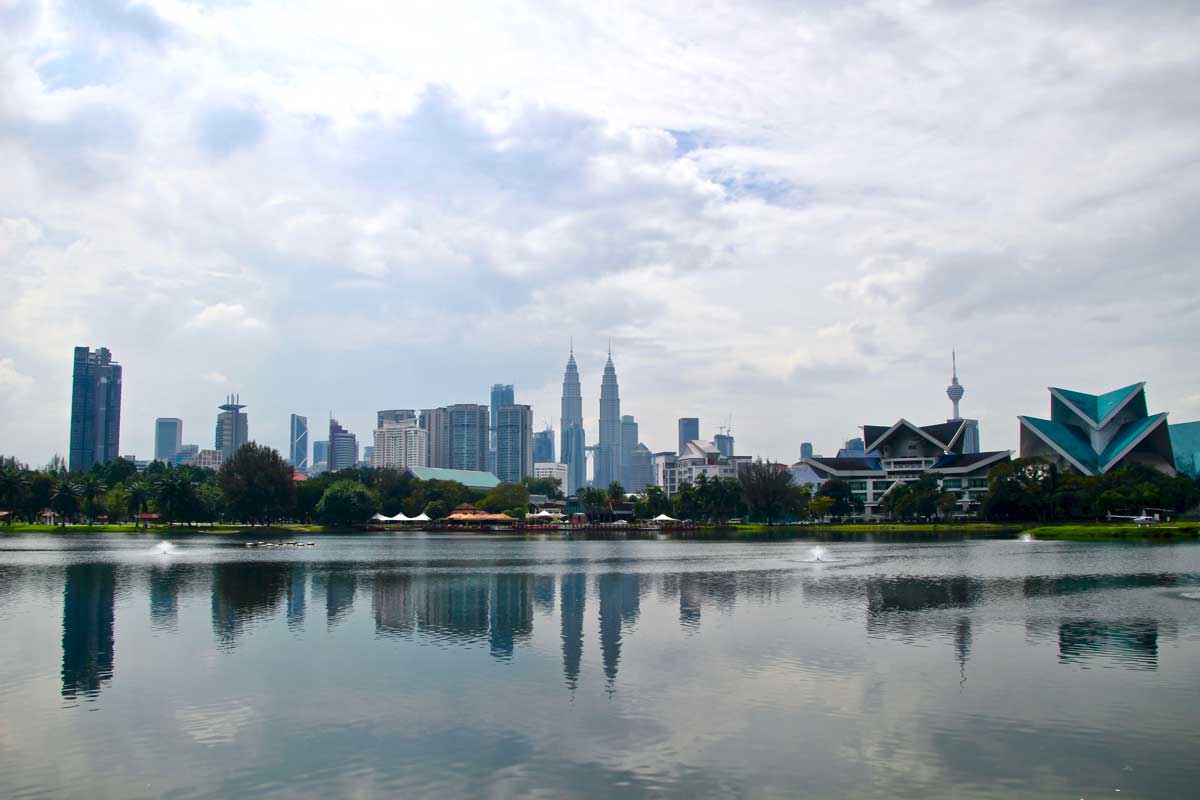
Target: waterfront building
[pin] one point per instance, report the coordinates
(551, 469)
(298, 442)
(233, 428)
(502, 395)
(1185, 442)
(186, 453)
(689, 431)
(543, 446)
(903, 453)
(608, 448)
(168, 438)
(629, 443)
(573, 449)
(1095, 433)
(343, 447)
(394, 415)
(641, 469)
(399, 444)
(95, 408)
(806, 450)
(514, 443)
(467, 435)
(724, 443)
(435, 423)
(472, 479)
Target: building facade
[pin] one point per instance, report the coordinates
(400, 444)
(514, 443)
(320, 454)
(543, 446)
(608, 447)
(689, 431)
(551, 469)
(1093, 434)
(168, 438)
(502, 395)
(467, 436)
(435, 423)
(629, 443)
(186, 454)
(573, 444)
(343, 447)
(298, 442)
(394, 415)
(724, 443)
(806, 450)
(1185, 442)
(95, 408)
(641, 469)
(903, 453)
(233, 427)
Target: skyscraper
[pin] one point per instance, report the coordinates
(233, 428)
(298, 439)
(320, 454)
(629, 443)
(641, 469)
(168, 438)
(608, 450)
(502, 395)
(399, 444)
(394, 415)
(689, 431)
(435, 423)
(573, 451)
(806, 450)
(514, 443)
(95, 408)
(543, 445)
(343, 447)
(468, 436)
(724, 443)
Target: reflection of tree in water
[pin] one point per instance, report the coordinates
(573, 595)
(243, 592)
(89, 596)
(511, 612)
(620, 603)
(1134, 643)
(1037, 586)
(919, 594)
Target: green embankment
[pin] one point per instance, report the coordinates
(885, 527)
(1107, 531)
(165, 530)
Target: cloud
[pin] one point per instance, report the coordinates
(13, 383)
(223, 130)
(225, 315)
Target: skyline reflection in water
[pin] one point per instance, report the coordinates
(358, 631)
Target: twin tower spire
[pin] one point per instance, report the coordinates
(573, 442)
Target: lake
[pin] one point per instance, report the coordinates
(423, 665)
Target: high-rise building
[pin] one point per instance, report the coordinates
(168, 438)
(400, 444)
(502, 395)
(320, 454)
(724, 443)
(514, 443)
(186, 454)
(543, 445)
(629, 443)
(551, 469)
(806, 450)
(368, 455)
(343, 447)
(298, 439)
(573, 451)
(95, 408)
(233, 428)
(641, 469)
(689, 431)
(467, 425)
(435, 423)
(394, 415)
(608, 448)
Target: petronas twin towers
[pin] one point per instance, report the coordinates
(574, 444)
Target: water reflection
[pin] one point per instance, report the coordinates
(244, 592)
(1126, 643)
(89, 616)
(511, 617)
(574, 599)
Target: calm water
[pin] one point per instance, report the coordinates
(421, 665)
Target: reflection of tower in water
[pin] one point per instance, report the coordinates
(619, 604)
(243, 592)
(164, 596)
(340, 586)
(89, 594)
(962, 646)
(573, 596)
(296, 595)
(511, 612)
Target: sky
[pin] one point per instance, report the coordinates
(784, 216)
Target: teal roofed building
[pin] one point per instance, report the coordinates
(1096, 433)
(472, 479)
(1185, 441)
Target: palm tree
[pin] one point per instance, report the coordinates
(138, 499)
(90, 489)
(175, 494)
(13, 483)
(64, 499)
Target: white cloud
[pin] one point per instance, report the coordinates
(225, 315)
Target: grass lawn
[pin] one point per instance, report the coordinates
(884, 527)
(165, 530)
(1108, 531)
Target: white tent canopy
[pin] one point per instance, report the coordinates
(664, 518)
(398, 518)
(546, 514)
(422, 517)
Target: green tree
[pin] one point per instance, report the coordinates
(947, 504)
(652, 503)
(505, 496)
(821, 506)
(91, 492)
(548, 486)
(64, 499)
(14, 483)
(765, 488)
(115, 502)
(347, 502)
(257, 484)
(175, 495)
(594, 502)
(845, 503)
(616, 492)
(138, 494)
(117, 471)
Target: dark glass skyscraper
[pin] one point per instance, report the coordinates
(95, 408)
(543, 446)
(572, 451)
(514, 443)
(168, 438)
(233, 428)
(608, 450)
(343, 447)
(689, 431)
(298, 434)
(502, 395)
(629, 443)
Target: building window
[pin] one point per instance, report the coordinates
(951, 483)
(977, 483)
(858, 486)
